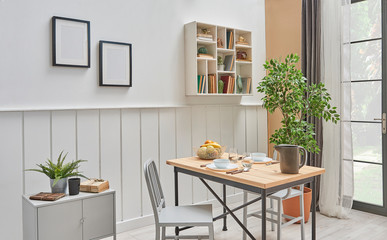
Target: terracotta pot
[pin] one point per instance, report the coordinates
(291, 206)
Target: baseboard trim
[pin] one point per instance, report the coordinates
(134, 223)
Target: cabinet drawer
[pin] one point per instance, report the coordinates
(60, 222)
(98, 216)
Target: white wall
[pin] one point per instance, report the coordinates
(115, 129)
(154, 27)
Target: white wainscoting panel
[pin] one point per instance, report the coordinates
(131, 163)
(37, 148)
(239, 131)
(110, 127)
(11, 172)
(64, 134)
(149, 149)
(184, 148)
(88, 137)
(116, 143)
(198, 138)
(227, 133)
(167, 141)
(251, 129)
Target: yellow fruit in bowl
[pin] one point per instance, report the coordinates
(208, 141)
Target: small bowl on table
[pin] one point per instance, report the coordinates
(258, 157)
(221, 163)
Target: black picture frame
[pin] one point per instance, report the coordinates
(122, 70)
(74, 37)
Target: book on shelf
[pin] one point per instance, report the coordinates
(211, 83)
(246, 85)
(230, 39)
(242, 43)
(204, 36)
(204, 39)
(201, 84)
(229, 62)
(229, 82)
(203, 55)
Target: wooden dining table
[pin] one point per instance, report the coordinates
(261, 178)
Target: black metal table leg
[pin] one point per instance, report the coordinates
(228, 209)
(314, 208)
(176, 195)
(224, 209)
(263, 230)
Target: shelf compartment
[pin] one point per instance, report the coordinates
(209, 27)
(244, 34)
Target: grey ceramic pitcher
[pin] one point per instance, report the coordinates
(289, 157)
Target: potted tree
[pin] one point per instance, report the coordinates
(285, 88)
(59, 172)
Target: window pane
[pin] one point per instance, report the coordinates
(366, 20)
(367, 142)
(366, 100)
(366, 58)
(368, 183)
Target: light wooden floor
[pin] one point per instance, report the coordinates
(360, 226)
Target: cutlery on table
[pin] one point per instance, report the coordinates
(246, 169)
(270, 163)
(205, 165)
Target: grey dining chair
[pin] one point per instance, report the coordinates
(175, 216)
(277, 215)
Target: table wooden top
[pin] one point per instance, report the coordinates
(260, 175)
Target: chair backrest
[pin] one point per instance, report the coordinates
(154, 187)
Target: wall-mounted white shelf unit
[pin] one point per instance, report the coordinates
(236, 43)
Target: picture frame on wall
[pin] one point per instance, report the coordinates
(115, 64)
(70, 42)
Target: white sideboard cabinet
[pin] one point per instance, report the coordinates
(81, 217)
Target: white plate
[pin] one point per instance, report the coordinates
(264, 161)
(231, 166)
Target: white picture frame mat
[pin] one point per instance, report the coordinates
(68, 34)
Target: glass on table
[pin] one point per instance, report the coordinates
(233, 155)
(247, 163)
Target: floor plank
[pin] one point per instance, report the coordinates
(360, 225)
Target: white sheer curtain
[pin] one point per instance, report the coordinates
(336, 193)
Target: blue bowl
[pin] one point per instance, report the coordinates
(221, 163)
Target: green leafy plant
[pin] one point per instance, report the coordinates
(285, 88)
(220, 60)
(60, 170)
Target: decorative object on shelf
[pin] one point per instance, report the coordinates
(220, 86)
(74, 184)
(47, 196)
(219, 43)
(204, 34)
(242, 41)
(70, 42)
(94, 185)
(202, 50)
(220, 64)
(59, 172)
(115, 64)
(241, 55)
(239, 85)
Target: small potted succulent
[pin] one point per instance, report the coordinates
(59, 172)
(220, 64)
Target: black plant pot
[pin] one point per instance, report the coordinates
(74, 186)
